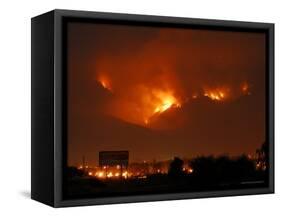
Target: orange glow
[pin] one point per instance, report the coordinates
(195, 96)
(159, 102)
(165, 100)
(125, 173)
(144, 103)
(190, 170)
(161, 93)
(245, 88)
(105, 82)
(146, 121)
(109, 174)
(217, 94)
(100, 174)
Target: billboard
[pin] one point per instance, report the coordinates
(113, 158)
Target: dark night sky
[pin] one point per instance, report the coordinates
(142, 68)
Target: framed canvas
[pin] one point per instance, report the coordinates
(131, 108)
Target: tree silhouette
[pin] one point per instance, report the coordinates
(176, 168)
(222, 169)
(204, 168)
(74, 172)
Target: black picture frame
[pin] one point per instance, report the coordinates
(48, 75)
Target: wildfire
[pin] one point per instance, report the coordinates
(161, 102)
(218, 94)
(166, 105)
(167, 101)
(105, 82)
(145, 103)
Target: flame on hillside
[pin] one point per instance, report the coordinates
(217, 94)
(161, 102)
(143, 103)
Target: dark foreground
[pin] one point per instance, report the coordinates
(87, 187)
